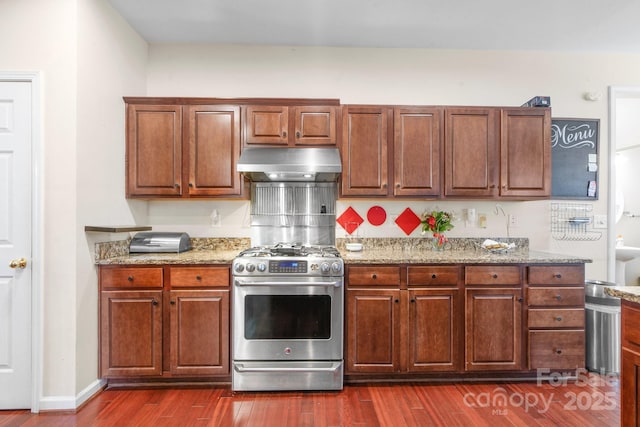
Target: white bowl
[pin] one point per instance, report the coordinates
(354, 247)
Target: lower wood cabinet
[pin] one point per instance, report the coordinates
(630, 370)
(164, 322)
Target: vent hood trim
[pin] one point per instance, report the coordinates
(276, 164)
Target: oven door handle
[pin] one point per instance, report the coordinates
(335, 366)
(336, 284)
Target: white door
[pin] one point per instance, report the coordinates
(15, 244)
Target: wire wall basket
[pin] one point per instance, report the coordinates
(573, 221)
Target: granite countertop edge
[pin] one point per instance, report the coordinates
(627, 293)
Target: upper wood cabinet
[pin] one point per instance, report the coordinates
(471, 152)
(154, 150)
(365, 150)
(416, 151)
(525, 152)
(291, 125)
(498, 153)
(182, 150)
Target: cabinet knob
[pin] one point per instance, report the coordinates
(297, 134)
(558, 297)
(384, 185)
(130, 278)
(397, 185)
(154, 302)
(433, 276)
(374, 276)
(191, 185)
(176, 185)
(284, 134)
(559, 318)
(172, 302)
(413, 300)
(198, 277)
(495, 276)
(520, 299)
(558, 351)
(396, 300)
(557, 276)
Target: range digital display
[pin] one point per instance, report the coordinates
(287, 266)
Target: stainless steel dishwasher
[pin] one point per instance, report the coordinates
(602, 328)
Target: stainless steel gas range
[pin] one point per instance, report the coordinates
(288, 316)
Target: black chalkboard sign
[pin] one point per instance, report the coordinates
(574, 158)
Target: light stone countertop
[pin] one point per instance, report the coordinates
(376, 251)
(628, 293)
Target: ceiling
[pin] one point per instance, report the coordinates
(550, 25)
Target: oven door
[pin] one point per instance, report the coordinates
(287, 318)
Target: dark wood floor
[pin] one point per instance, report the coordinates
(592, 401)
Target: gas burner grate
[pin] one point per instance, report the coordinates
(292, 250)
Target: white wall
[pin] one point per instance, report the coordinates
(410, 76)
(88, 58)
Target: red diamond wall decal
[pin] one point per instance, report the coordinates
(408, 221)
(350, 220)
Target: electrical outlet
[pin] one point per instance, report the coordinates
(599, 221)
(513, 220)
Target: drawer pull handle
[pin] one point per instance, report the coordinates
(558, 276)
(495, 276)
(374, 276)
(559, 351)
(558, 297)
(559, 318)
(130, 278)
(198, 277)
(433, 276)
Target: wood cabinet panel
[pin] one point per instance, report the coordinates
(131, 277)
(373, 276)
(493, 333)
(492, 275)
(365, 151)
(213, 150)
(525, 158)
(154, 150)
(557, 349)
(556, 275)
(130, 333)
(315, 125)
(199, 277)
(266, 124)
(557, 296)
(373, 331)
(416, 151)
(471, 152)
(199, 322)
(556, 318)
(434, 330)
(433, 275)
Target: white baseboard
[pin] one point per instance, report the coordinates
(71, 403)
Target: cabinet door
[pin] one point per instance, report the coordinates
(416, 152)
(471, 152)
(214, 147)
(364, 151)
(433, 330)
(130, 333)
(493, 332)
(199, 323)
(154, 150)
(525, 158)
(373, 330)
(315, 125)
(630, 388)
(267, 125)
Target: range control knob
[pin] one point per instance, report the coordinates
(251, 268)
(336, 267)
(239, 268)
(262, 267)
(325, 267)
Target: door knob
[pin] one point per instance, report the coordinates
(18, 263)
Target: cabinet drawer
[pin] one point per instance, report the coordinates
(492, 275)
(373, 275)
(556, 275)
(556, 318)
(555, 296)
(427, 275)
(199, 277)
(556, 349)
(131, 277)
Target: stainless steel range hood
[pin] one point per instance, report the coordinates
(290, 164)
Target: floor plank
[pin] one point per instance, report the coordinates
(591, 401)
